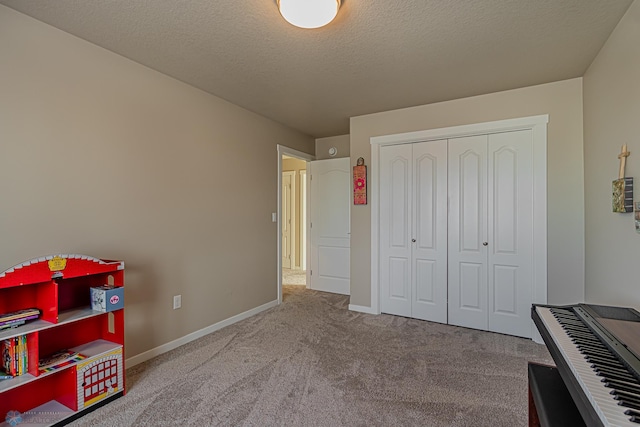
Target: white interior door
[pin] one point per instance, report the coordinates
(429, 225)
(287, 178)
(468, 292)
(395, 229)
(510, 250)
(329, 222)
(413, 230)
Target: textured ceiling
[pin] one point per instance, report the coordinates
(378, 55)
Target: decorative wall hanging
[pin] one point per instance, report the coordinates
(360, 183)
(623, 187)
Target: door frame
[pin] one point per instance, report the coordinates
(291, 152)
(292, 218)
(538, 126)
(303, 220)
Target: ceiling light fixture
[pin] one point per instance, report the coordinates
(309, 13)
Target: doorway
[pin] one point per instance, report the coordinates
(291, 218)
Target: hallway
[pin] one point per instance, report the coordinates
(294, 277)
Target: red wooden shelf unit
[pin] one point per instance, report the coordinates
(93, 374)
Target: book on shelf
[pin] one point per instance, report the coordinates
(12, 324)
(59, 359)
(14, 353)
(24, 355)
(18, 316)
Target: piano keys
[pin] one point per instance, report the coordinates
(596, 350)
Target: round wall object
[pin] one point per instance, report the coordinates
(333, 151)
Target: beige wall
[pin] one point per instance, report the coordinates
(341, 142)
(297, 165)
(105, 157)
(562, 101)
(611, 119)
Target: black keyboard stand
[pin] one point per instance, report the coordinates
(550, 403)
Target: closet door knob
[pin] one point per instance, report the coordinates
(485, 243)
(413, 240)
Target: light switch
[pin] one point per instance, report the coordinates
(274, 217)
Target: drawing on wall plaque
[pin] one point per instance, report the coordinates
(623, 187)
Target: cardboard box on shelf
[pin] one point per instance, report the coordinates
(107, 298)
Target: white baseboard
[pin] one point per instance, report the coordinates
(150, 354)
(362, 309)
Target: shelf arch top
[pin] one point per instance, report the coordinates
(57, 266)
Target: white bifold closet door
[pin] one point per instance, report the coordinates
(413, 230)
(491, 232)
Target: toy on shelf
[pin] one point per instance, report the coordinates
(59, 360)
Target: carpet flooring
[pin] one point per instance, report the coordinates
(294, 277)
(312, 362)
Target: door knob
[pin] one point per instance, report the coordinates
(485, 243)
(413, 240)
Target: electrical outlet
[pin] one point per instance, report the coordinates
(177, 302)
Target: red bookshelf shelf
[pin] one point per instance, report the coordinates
(59, 286)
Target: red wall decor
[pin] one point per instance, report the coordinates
(360, 183)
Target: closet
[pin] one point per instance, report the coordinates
(413, 230)
(456, 230)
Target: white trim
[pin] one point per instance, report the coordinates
(292, 218)
(538, 125)
(362, 309)
(375, 228)
(303, 218)
(150, 354)
(282, 150)
(539, 221)
(460, 131)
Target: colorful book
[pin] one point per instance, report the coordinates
(22, 352)
(19, 368)
(20, 320)
(16, 357)
(15, 354)
(25, 355)
(20, 315)
(13, 324)
(8, 351)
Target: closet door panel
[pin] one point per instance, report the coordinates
(395, 228)
(470, 193)
(505, 290)
(398, 279)
(510, 207)
(425, 274)
(468, 232)
(429, 230)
